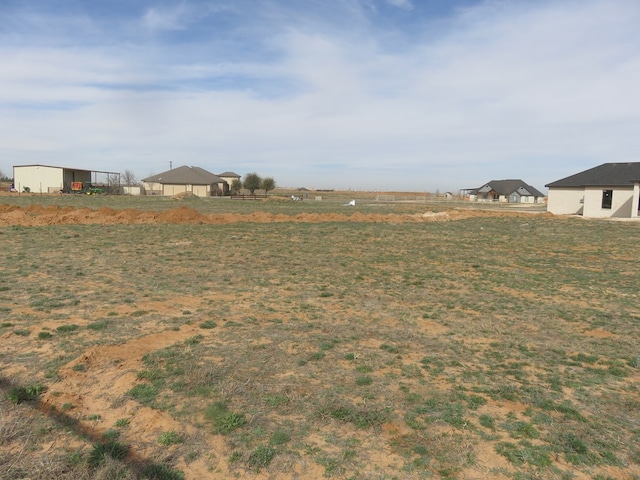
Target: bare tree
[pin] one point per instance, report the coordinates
(114, 183)
(129, 178)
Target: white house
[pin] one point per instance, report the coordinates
(611, 190)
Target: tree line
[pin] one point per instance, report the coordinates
(253, 182)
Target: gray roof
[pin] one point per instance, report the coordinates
(507, 187)
(185, 175)
(605, 175)
(229, 174)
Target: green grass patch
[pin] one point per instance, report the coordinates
(224, 420)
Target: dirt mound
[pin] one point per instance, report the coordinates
(37, 215)
(185, 196)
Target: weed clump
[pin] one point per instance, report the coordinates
(113, 449)
(19, 395)
(261, 457)
(170, 438)
(224, 420)
(159, 471)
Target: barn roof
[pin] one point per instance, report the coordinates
(185, 175)
(605, 175)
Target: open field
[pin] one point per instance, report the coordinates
(301, 340)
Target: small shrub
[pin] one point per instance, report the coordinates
(111, 448)
(523, 429)
(235, 457)
(122, 422)
(328, 345)
(150, 375)
(389, 348)
(261, 457)
(67, 328)
(487, 421)
(317, 356)
(276, 399)
(144, 392)
(224, 420)
(364, 380)
(98, 325)
(475, 401)
(110, 434)
(524, 453)
(572, 444)
(348, 414)
(279, 437)
(208, 324)
(170, 438)
(193, 340)
(18, 395)
(44, 335)
(22, 332)
(159, 471)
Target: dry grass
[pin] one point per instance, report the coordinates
(494, 346)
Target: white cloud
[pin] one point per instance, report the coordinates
(405, 4)
(168, 18)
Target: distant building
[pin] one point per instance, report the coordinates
(608, 190)
(187, 179)
(53, 179)
(511, 191)
(229, 177)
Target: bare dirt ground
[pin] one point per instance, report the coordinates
(38, 215)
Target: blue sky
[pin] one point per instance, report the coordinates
(362, 94)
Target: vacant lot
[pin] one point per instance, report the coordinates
(306, 340)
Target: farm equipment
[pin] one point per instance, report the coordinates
(85, 188)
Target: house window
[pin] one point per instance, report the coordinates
(607, 197)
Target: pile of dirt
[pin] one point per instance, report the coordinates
(37, 215)
(185, 196)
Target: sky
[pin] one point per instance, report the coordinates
(405, 95)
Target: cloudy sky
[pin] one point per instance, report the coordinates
(361, 94)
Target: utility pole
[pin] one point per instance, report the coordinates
(170, 165)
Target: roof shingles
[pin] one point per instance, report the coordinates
(507, 187)
(185, 175)
(605, 175)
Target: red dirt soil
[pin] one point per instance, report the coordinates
(37, 215)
